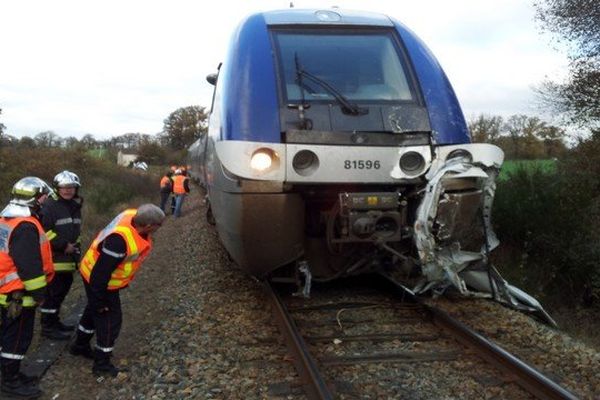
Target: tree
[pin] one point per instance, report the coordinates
(70, 142)
(185, 125)
(576, 23)
(88, 141)
(27, 142)
(47, 139)
(151, 152)
(486, 129)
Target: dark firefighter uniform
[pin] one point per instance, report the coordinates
(62, 221)
(25, 269)
(108, 266)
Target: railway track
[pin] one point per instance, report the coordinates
(354, 343)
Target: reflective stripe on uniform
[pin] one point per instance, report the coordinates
(84, 330)
(48, 310)
(65, 266)
(9, 278)
(12, 356)
(51, 234)
(105, 349)
(63, 221)
(112, 253)
(27, 301)
(77, 221)
(35, 283)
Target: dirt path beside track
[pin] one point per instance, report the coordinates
(189, 327)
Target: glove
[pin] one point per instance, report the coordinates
(15, 306)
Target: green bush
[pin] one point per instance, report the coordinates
(106, 187)
(548, 222)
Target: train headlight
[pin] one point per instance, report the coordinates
(412, 163)
(262, 159)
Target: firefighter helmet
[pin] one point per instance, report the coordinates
(66, 179)
(25, 197)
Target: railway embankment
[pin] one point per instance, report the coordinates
(197, 328)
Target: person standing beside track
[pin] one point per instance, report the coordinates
(181, 187)
(25, 270)
(108, 266)
(61, 219)
(166, 187)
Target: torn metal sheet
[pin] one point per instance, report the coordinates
(453, 232)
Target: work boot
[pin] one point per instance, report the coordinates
(83, 350)
(54, 333)
(13, 383)
(103, 366)
(17, 388)
(105, 369)
(28, 379)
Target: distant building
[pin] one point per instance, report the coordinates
(126, 159)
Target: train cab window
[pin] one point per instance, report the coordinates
(362, 66)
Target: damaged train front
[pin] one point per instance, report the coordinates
(453, 231)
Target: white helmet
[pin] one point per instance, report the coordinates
(65, 179)
(25, 195)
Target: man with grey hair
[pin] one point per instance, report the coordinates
(108, 266)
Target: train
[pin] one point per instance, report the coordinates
(336, 146)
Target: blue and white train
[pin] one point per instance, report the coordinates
(336, 145)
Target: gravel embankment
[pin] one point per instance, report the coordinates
(196, 328)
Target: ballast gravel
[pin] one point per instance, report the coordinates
(196, 327)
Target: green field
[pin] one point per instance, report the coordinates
(510, 166)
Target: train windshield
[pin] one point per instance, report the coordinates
(361, 66)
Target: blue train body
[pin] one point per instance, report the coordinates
(337, 146)
(250, 79)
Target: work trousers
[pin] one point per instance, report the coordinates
(56, 291)
(15, 337)
(105, 325)
(164, 197)
(178, 204)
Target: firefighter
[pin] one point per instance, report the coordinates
(25, 270)
(181, 187)
(61, 219)
(166, 186)
(108, 266)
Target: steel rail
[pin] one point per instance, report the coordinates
(306, 366)
(526, 376)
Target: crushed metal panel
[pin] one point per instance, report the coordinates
(453, 232)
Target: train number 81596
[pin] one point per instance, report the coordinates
(362, 164)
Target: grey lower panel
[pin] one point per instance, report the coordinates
(261, 231)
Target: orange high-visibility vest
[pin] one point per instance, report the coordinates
(9, 278)
(165, 181)
(137, 250)
(178, 187)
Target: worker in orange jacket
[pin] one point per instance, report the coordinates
(166, 188)
(181, 187)
(25, 270)
(108, 266)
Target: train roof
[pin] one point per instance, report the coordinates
(329, 17)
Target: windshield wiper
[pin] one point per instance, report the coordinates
(347, 106)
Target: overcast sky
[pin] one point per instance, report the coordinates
(112, 67)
